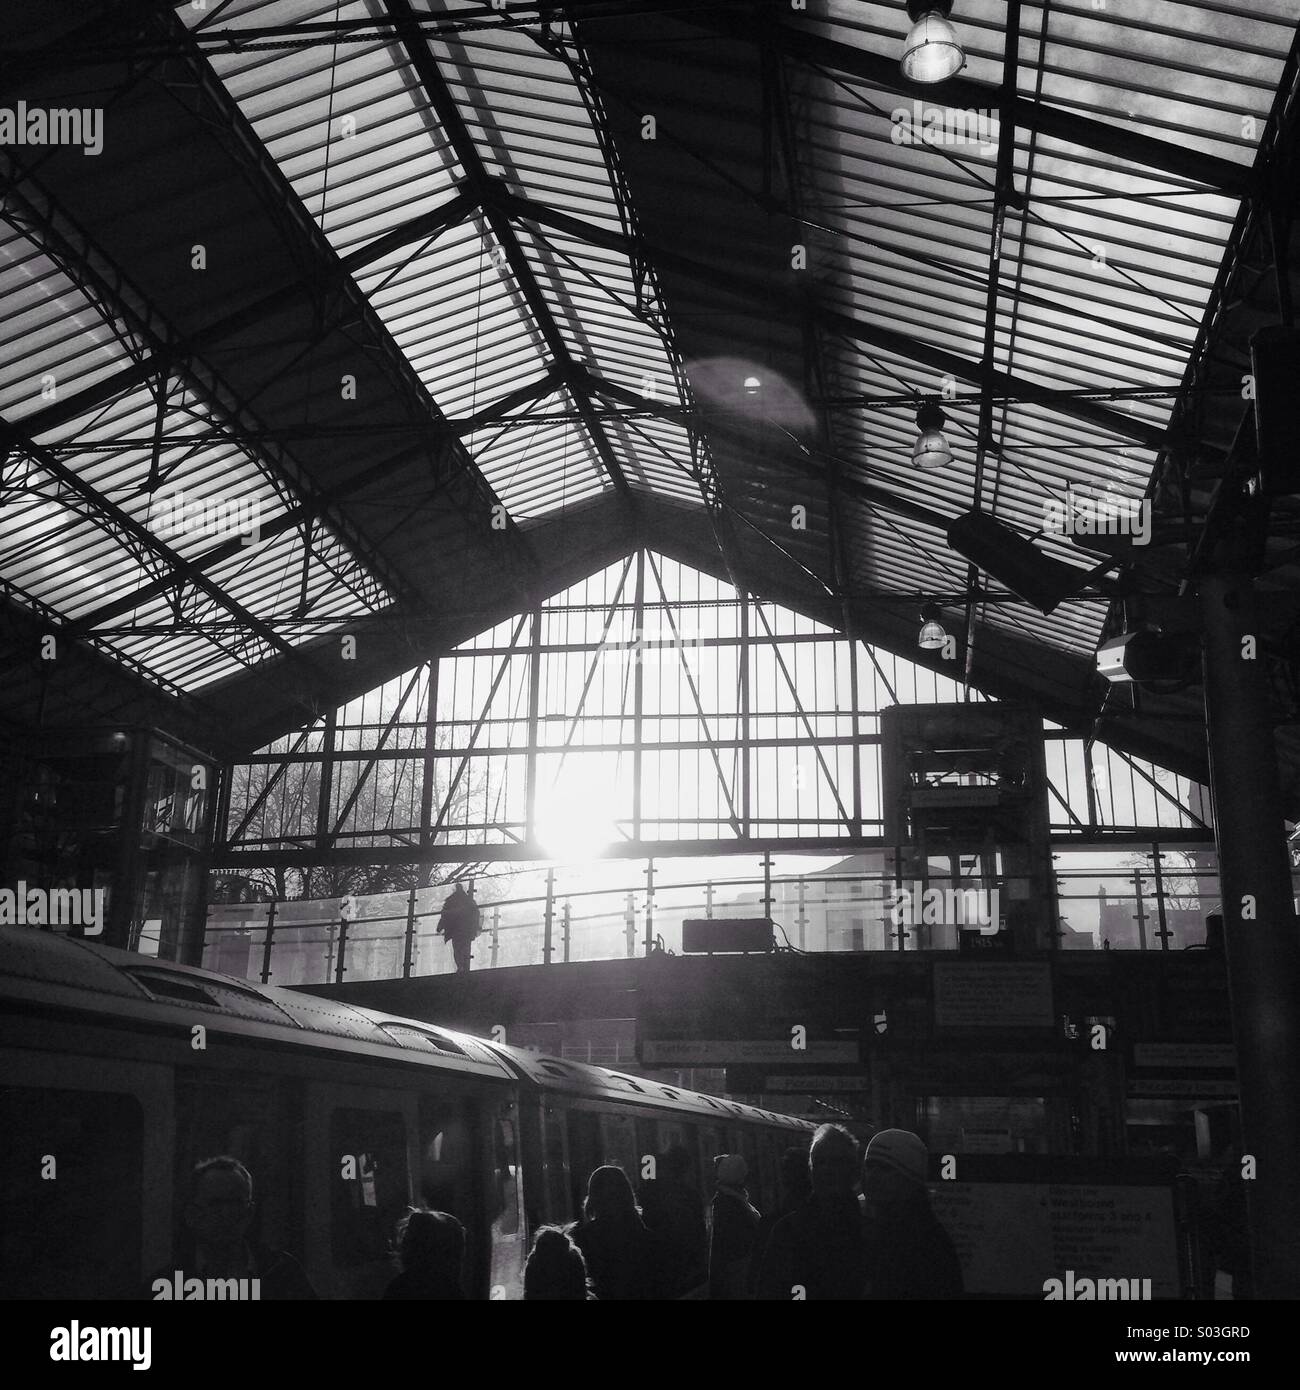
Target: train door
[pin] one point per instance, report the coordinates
(504, 1199)
(85, 1140)
(559, 1195)
(360, 1143)
(585, 1153)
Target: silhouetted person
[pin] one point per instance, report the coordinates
(556, 1269)
(819, 1250)
(624, 1260)
(672, 1207)
(458, 922)
(734, 1229)
(218, 1219)
(432, 1247)
(909, 1253)
(796, 1188)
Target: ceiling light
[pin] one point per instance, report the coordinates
(752, 386)
(931, 449)
(932, 635)
(931, 52)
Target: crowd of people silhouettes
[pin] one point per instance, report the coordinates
(848, 1226)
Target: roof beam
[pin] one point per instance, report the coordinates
(481, 182)
(884, 73)
(867, 492)
(182, 570)
(886, 339)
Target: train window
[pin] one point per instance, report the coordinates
(711, 1144)
(648, 1140)
(71, 1194)
(370, 1192)
(505, 1199)
(618, 1136)
(244, 1116)
(419, 1039)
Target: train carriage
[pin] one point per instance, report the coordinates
(120, 1072)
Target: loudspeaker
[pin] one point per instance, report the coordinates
(700, 934)
(1013, 561)
(1275, 364)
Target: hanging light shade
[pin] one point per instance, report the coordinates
(931, 449)
(932, 635)
(931, 52)
(752, 386)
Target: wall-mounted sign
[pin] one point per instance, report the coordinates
(1012, 1237)
(806, 1082)
(1197, 1088)
(1181, 1055)
(714, 1052)
(993, 994)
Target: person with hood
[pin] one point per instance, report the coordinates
(909, 1254)
(733, 1229)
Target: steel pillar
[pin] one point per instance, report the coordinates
(1259, 926)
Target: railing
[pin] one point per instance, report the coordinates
(1157, 904)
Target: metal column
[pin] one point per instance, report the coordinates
(1259, 926)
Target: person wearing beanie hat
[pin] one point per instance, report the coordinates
(734, 1229)
(900, 1151)
(909, 1253)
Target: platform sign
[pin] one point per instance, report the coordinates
(1013, 1237)
(993, 995)
(717, 1052)
(1184, 1087)
(1180, 1055)
(810, 1082)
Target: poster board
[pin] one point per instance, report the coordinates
(1012, 1237)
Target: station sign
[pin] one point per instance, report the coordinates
(1180, 1055)
(1193, 1088)
(719, 1052)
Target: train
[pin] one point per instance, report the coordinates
(120, 1072)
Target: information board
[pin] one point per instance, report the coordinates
(993, 994)
(712, 1052)
(1013, 1237)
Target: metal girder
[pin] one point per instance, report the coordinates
(647, 849)
(883, 72)
(424, 227)
(331, 835)
(768, 293)
(416, 46)
(1003, 194)
(125, 526)
(801, 462)
(695, 696)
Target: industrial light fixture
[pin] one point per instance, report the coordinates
(1147, 654)
(752, 386)
(931, 449)
(932, 635)
(931, 52)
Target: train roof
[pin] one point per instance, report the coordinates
(52, 970)
(586, 1079)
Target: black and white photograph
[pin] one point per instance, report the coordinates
(649, 652)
